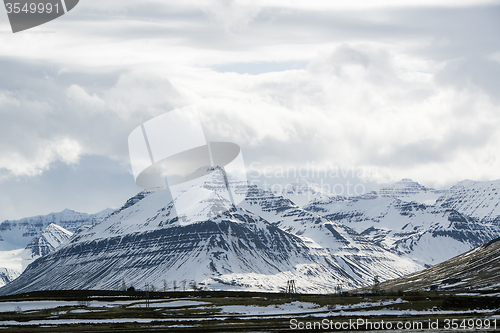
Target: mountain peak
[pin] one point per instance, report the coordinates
(404, 188)
(45, 242)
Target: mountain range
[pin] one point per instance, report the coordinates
(268, 239)
(425, 233)
(24, 240)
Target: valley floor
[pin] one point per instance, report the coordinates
(106, 311)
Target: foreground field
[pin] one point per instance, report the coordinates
(106, 311)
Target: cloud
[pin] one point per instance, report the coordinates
(40, 157)
(231, 14)
(405, 89)
(480, 73)
(355, 106)
(79, 96)
(62, 116)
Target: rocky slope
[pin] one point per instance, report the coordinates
(7, 275)
(476, 269)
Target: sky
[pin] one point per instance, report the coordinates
(376, 91)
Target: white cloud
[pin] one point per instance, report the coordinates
(355, 104)
(43, 155)
(78, 95)
(231, 14)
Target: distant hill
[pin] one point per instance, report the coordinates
(476, 269)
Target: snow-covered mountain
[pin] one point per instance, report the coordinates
(44, 243)
(15, 261)
(427, 234)
(340, 241)
(476, 269)
(477, 199)
(36, 233)
(258, 246)
(16, 234)
(409, 190)
(268, 239)
(9, 274)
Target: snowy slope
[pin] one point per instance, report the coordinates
(11, 262)
(480, 200)
(7, 275)
(409, 190)
(44, 243)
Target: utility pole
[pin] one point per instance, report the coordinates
(338, 289)
(376, 284)
(290, 287)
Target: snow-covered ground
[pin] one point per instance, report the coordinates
(170, 304)
(33, 305)
(292, 309)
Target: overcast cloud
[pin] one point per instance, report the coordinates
(408, 90)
